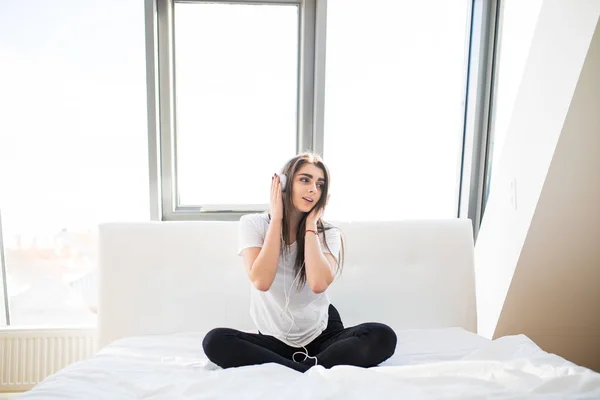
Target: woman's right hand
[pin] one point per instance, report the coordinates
(276, 198)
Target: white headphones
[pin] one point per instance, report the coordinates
(286, 309)
(283, 179)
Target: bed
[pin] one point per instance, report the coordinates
(163, 285)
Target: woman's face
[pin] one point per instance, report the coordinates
(307, 187)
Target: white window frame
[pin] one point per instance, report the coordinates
(162, 132)
(479, 71)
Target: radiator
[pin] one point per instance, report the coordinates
(28, 356)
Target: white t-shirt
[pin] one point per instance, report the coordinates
(306, 315)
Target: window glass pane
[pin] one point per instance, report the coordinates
(517, 24)
(236, 91)
(73, 146)
(394, 98)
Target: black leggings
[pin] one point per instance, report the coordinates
(364, 345)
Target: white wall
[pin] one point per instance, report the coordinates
(537, 258)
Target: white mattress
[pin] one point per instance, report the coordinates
(428, 364)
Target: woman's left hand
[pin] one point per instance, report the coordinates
(315, 215)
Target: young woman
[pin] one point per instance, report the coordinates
(291, 257)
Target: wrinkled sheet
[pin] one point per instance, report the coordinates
(428, 364)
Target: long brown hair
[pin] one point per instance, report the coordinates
(290, 169)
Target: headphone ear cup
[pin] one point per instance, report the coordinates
(283, 179)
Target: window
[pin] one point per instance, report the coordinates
(394, 107)
(73, 147)
(236, 78)
(233, 95)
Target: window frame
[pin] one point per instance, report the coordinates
(473, 174)
(162, 132)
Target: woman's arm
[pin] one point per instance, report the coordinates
(261, 262)
(319, 267)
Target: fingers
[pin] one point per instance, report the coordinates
(278, 180)
(272, 187)
(321, 211)
(317, 212)
(275, 188)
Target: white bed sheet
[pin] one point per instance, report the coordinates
(428, 364)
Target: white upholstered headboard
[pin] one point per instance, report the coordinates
(168, 277)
